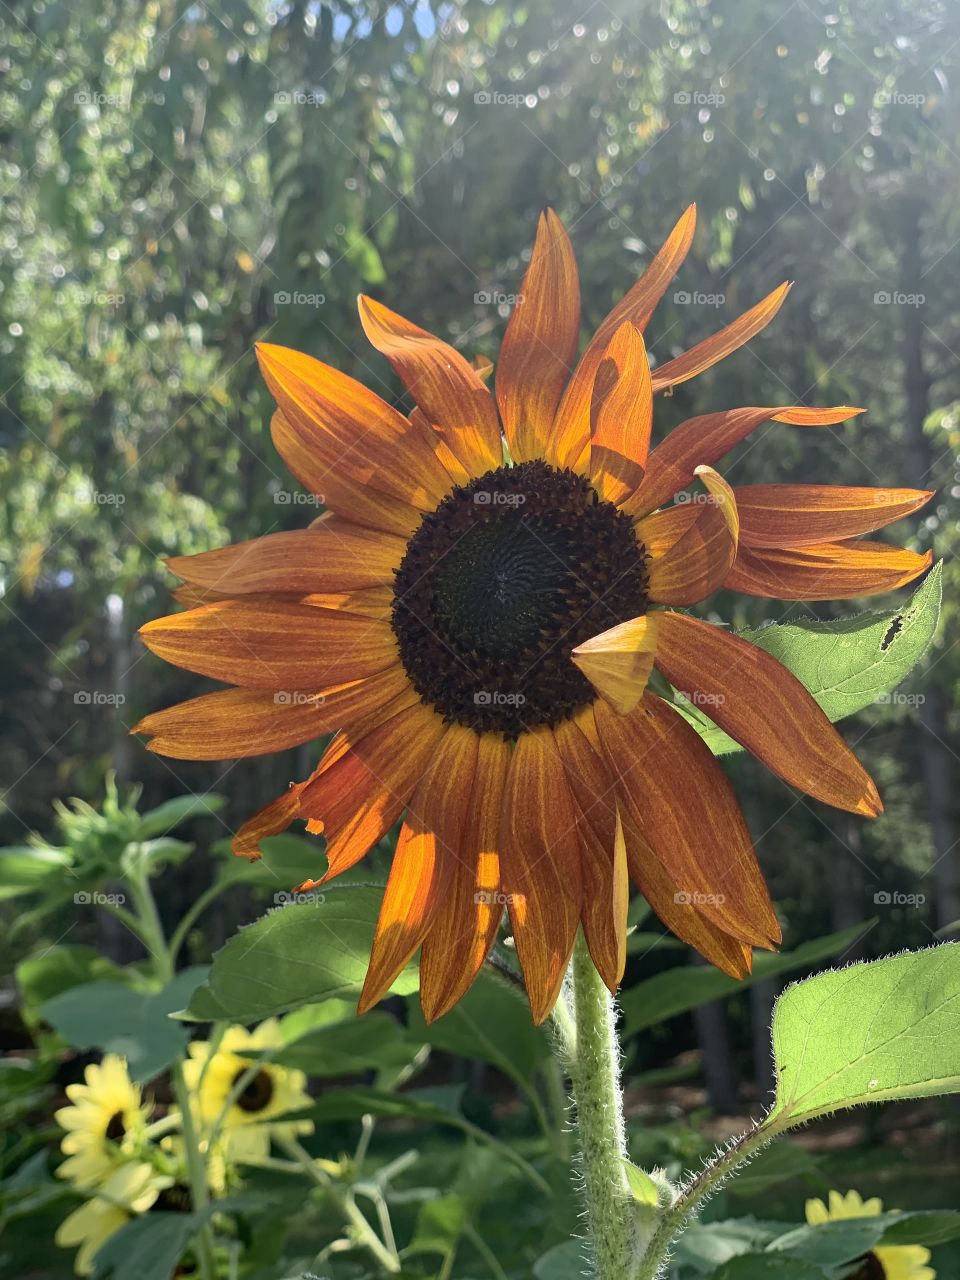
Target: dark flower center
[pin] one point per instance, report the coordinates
(115, 1129)
(498, 585)
(257, 1094)
(870, 1268)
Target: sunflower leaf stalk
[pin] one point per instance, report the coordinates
(619, 1228)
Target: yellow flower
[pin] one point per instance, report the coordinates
(249, 1122)
(102, 1122)
(891, 1262)
(131, 1189)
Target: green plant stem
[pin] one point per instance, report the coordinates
(595, 1070)
(692, 1196)
(366, 1235)
(151, 932)
(196, 1172)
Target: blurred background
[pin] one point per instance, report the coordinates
(181, 179)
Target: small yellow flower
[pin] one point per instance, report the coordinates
(249, 1122)
(131, 1189)
(103, 1121)
(889, 1262)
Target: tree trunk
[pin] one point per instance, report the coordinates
(935, 754)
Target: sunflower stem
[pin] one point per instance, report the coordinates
(595, 1071)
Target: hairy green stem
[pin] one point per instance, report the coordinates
(673, 1220)
(595, 1070)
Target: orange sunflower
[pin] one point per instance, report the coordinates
(476, 615)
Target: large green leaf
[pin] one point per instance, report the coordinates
(684, 987)
(847, 664)
(490, 1023)
(767, 1266)
(114, 1018)
(148, 1247)
(329, 1040)
(295, 955)
(166, 816)
(874, 1031)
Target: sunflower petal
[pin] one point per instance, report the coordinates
(465, 922)
(571, 434)
(676, 795)
(235, 723)
(603, 912)
(795, 515)
(707, 438)
(364, 783)
(447, 388)
(334, 555)
(282, 646)
(428, 845)
(540, 866)
(719, 345)
(828, 571)
(678, 912)
(540, 344)
(765, 708)
(268, 821)
(618, 662)
(621, 416)
(699, 561)
(350, 431)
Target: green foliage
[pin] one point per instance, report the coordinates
(868, 1033)
(298, 954)
(848, 664)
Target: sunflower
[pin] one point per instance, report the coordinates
(893, 1262)
(129, 1190)
(103, 1121)
(212, 1071)
(476, 618)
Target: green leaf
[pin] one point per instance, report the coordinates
(491, 1023)
(685, 987)
(43, 976)
(23, 868)
(846, 664)
(565, 1261)
(116, 1019)
(148, 1247)
(166, 816)
(830, 1243)
(765, 1266)
(929, 1227)
(868, 1033)
(329, 1040)
(707, 1245)
(295, 955)
(642, 1186)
